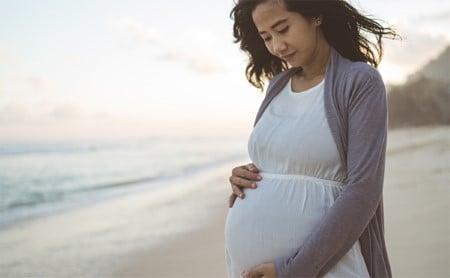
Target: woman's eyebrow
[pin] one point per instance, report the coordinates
(275, 25)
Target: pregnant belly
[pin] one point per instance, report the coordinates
(276, 218)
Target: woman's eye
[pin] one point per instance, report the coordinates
(284, 30)
(266, 39)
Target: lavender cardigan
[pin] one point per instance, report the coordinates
(356, 110)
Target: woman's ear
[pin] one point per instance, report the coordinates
(317, 21)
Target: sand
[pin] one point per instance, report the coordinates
(417, 202)
(416, 197)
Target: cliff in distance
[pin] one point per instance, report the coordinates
(425, 97)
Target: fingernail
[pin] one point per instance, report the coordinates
(253, 185)
(259, 177)
(241, 195)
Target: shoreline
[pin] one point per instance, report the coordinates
(74, 203)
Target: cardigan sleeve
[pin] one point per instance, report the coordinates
(352, 211)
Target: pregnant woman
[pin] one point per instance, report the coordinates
(310, 203)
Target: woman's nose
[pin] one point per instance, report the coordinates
(279, 46)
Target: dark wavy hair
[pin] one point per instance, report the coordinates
(345, 29)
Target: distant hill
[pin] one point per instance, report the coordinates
(425, 98)
(437, 69)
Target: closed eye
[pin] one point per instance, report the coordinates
(283, 31)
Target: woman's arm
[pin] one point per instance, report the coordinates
(352, 211)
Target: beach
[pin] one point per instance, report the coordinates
(417, 202)
(178, 232)
(105, 238)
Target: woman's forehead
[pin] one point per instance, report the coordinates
(269, 13)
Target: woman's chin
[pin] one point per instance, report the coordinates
(294, 65)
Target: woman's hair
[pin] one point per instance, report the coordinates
(345, 29)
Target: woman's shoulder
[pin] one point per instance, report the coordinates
(344, 69)
(364, 81)
(363, 72)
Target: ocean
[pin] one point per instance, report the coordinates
(39, 179)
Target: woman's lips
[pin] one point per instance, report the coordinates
(288, 57)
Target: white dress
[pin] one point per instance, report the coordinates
(302, 175)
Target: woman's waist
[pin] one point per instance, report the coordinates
(300, 177)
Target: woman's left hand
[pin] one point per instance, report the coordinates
(266, 270)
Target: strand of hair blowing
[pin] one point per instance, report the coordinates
(345, 29)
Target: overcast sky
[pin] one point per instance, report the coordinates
(124, 69)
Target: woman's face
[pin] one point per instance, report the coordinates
(287, 35)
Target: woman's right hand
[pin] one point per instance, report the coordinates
(242, 177)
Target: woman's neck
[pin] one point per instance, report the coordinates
(319, 65)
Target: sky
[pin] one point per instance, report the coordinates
(115, 69)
